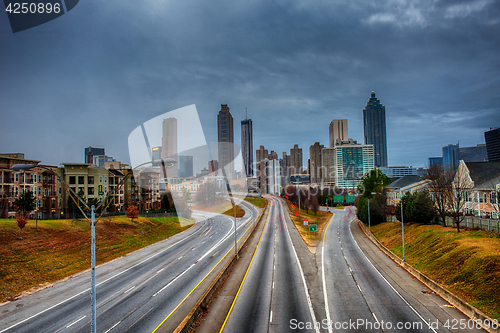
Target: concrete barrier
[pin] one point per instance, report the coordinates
(458, 302)
(191, 320)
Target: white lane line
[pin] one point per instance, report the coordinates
(271, 317)
(160, 270)
(327, 308)
(98, 284)
(350, 269)
(358, 287)
(129, 290)
(162, 289)
(313, 316)
(73, 323)
(113, 326)
(375, 317)
(390, 285)
(273, 284)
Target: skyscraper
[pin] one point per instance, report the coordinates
(90, 152)
(169, 145)
(247, 147)
(450, 157)
(315, 162)
(225, 132)
(492, 139)
(185, 166)
(338, 130)
(375, 130)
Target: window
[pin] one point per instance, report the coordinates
(39, 178)
(485, 197)
(81, 189)
(476, 197)
(17, 177)
(105, 189)
(81, 180)
(72, 180)
(105, 179)
(100, 179)
(494, 197)
(40, 203)
(60, 190)
(34, 190)
(90, 180)
(90, 191)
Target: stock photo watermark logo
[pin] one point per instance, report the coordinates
(25, 15)
(171, 150)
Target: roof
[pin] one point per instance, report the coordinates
(484, 173)
(404, 181)
(116, 172)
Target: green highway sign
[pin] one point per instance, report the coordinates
(313, 227)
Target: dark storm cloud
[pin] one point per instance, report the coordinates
(104, 68)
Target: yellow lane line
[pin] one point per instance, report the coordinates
(200, 282)
(241, 285)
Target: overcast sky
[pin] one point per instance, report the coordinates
(94, 74)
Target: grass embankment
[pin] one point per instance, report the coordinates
(259, 202)
(224, 207)
(320, 219)
(57, 249)
(467, 263)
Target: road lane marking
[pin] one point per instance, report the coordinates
(313, 316)
(246, 273)
(113, 326)
(325, 295)
(271, 317)
(129, 290)
(184, 299)
(390, 285)
(73, 323)
(178, 276)
(375, 317)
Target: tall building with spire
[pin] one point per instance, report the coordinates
(247, 146)
(225, 132)
(375, 130)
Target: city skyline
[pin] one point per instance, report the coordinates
(73, 82)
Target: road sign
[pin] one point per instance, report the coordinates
(313, 227)
(296, 213)
(306, 222)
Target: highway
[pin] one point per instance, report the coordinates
(273, 291)
(356, 292)
(150, 289)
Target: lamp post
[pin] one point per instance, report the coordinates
(402, 224)
(298, 191)
(165, 163)
(234, 205)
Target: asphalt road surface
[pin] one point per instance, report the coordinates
(150, 289)
(273, 291)
(360, 299)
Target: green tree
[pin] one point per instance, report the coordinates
(167, 202)
(408, 201)
(378, 208)
(25, 203)
(373, 181)
(425, 211)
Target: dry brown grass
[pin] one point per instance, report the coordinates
(468, 262)
(57, 249)
(321, 219)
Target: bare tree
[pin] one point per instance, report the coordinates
(440, 188)
(461, 188)
(315, 204)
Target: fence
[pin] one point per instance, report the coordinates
(472, 222)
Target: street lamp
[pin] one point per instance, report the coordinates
(165, 163)
(369, 224)
(402, 224)
(234, 205)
